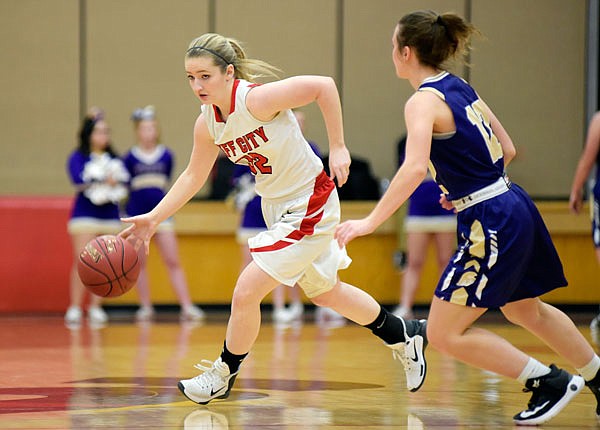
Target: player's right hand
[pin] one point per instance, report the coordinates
(140, 232)
(576, 201)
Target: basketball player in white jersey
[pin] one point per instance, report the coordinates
(253, 124)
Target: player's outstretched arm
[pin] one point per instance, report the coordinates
(419, 115)
(202, 159)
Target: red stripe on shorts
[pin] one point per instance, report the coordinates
(314, 213)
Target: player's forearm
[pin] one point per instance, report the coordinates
(584, 167)
(328, 100)
(184, 188)
(406, 180)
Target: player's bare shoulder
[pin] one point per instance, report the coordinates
(422, 104)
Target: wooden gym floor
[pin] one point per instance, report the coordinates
(305, 376)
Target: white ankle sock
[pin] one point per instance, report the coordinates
(533, 369)
(590, 370)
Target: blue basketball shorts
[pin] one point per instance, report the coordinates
(505, 254)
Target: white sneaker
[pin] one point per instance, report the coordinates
(296, 310)
(192, 313)
(205, 419)
(96, 315)
(595, 329)
(144, 313)
(412, 355)
(289, 314)
(214, 383)
(73, 315)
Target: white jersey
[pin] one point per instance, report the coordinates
(277, 153)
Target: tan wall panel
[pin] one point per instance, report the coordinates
(531, 69)
(40, 87)
(299, 37)
(373, 96)
(135, 52)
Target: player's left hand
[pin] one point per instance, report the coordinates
(348, 230)
(339, 165)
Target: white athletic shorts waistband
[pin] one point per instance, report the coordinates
(501, 186)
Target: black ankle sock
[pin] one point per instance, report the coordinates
(595, 381)
(232, 360)
(389, 327)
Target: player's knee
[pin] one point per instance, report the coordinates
(244, 296)
(435, 339)
(439, 339)
(524, 316)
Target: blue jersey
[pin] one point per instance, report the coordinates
(470, 158)
(505, 251)
(150, 176)
(425, 201)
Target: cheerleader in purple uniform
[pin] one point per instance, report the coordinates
(99, 177)
(150, 165)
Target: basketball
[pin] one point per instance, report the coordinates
(108, 266)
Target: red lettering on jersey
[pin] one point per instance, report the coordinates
(244, 143)
(241, 143)
(251, 140)
(225, 148)
(261, 132)
(231, 147)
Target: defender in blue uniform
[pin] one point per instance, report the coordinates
(502, 237)
(506, 258)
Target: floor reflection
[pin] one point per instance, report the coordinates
(301, 376)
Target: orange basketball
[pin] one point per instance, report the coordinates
(108, 266)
